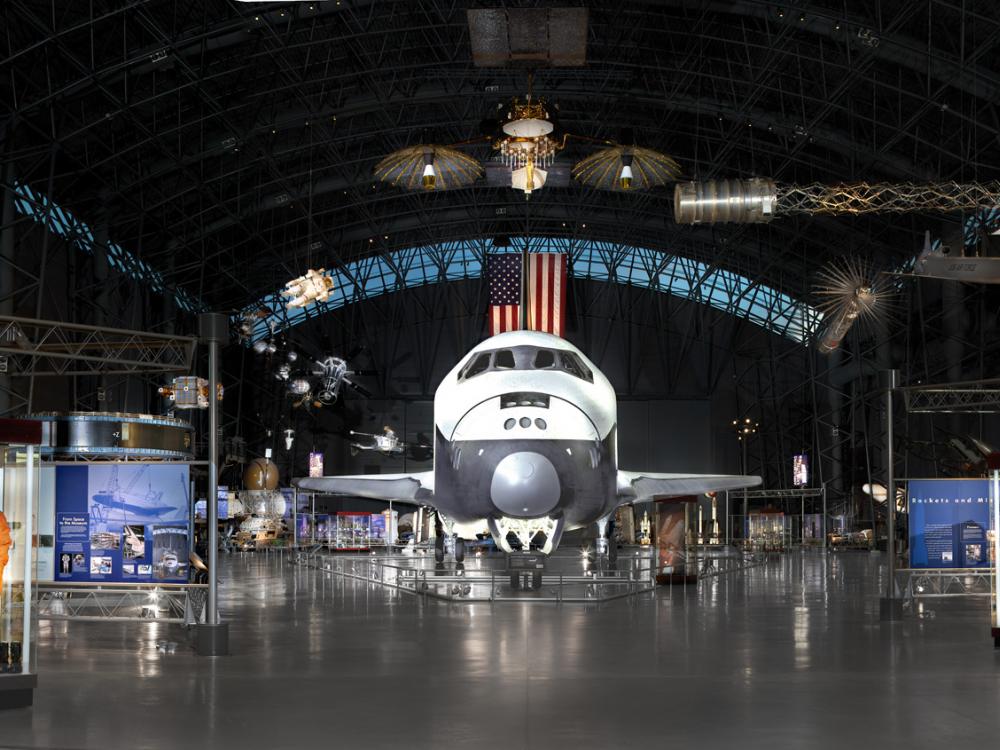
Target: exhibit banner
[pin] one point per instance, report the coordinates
(800, 470)
(671, 537)
(122, 522)
(315, 464)
(949, 520)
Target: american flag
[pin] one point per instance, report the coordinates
(546, 285)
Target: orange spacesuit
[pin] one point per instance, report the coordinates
(5, 544)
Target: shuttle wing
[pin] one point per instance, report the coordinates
(638, 486)
(418, 487)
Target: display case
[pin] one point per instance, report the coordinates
(353, 531)
(19, 480)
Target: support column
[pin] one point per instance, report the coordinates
(7, 286)
(890, 607)
(213, 636)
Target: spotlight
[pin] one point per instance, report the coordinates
(271, 347)
(260, 346)
(292, 355)
(289, 439)
(283, 372)
(429, 177)
(625, 178)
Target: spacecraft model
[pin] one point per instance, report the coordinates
(934, 262)
(387, 443)
(323, 384)
(850, 291)
(314, 286)
(525, 443)
(189, 392)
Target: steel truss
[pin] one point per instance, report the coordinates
(122, 602)
(943, 583)
(976, 397)
(869, 198)
(38, 348)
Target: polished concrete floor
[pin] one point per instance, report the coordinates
(790, 655)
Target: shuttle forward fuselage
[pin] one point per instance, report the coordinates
(525, 428)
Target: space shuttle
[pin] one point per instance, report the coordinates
(525, 444)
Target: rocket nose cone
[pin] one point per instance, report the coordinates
(525, 484)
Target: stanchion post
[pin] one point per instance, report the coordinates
(890, 607)
(212, 636)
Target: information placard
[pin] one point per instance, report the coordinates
(949, 520)
(122, 522)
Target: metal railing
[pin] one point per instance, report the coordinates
(453, 583)
(181, 603)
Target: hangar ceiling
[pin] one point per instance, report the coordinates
(229, 144)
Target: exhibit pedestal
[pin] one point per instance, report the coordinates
(17, 690)
(890, 609)
(211, 640)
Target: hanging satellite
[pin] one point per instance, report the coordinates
(323, 384)
(314, 286)
(527, 143)
(248, 321)
(189, 392)
(850, 290)
(334, 374)
(387, 443)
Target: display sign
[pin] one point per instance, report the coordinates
(122, 522)
(800, 470)
(316, 464)
(201, 506)
(949, 520)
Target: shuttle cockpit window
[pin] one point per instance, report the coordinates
(504, 360)
(526, 358)
(574, 366)
(476, 366)
(544, 358)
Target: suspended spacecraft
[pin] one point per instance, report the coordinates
(934, 262)
(189, 392)
(387, 443)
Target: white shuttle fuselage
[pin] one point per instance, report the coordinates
(525, 443)
(525, 428)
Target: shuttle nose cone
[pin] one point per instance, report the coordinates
(525, 484)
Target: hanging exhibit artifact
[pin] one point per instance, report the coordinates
(261, 474)
(525, 442)
(189, 392)
(759, 200)
(935, 262)
(314, 286)
(114, 435)
(526, 144)
(850, 291)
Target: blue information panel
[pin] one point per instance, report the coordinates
(949, 519)
(122, 522)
